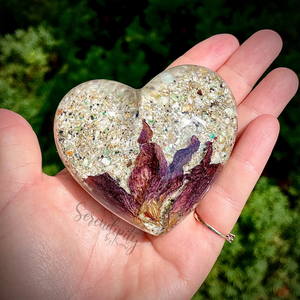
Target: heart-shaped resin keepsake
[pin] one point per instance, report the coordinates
(148, 155)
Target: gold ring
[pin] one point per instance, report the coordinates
(229, 237)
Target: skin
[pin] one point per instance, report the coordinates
(48, 253)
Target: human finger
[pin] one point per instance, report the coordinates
(270, 97)
(20, 155)
(249, 62)
(223, 204)
(210, 53)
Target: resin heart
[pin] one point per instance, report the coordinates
(148, 155)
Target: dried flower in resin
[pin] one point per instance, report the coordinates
(148, 155)
(160, 194)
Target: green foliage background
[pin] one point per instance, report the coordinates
(48, 47)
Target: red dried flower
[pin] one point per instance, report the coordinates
(160, 195)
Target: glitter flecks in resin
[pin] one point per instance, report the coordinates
(148, 155)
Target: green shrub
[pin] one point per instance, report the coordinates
(24, 62)
(263, 260)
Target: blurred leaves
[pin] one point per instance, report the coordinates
(24, 61)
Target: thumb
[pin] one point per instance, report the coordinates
(20, 155)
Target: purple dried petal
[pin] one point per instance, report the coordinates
(198, 181)
(162, 188)
(157, 186)
(146, 134)
(149, 165)
(105, 186)
(139, 182)
(183, 157)
(194, 190)
(207, 158)
(169, 182)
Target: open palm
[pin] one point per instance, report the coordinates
(56, 242)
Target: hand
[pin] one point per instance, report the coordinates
(52, 247)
